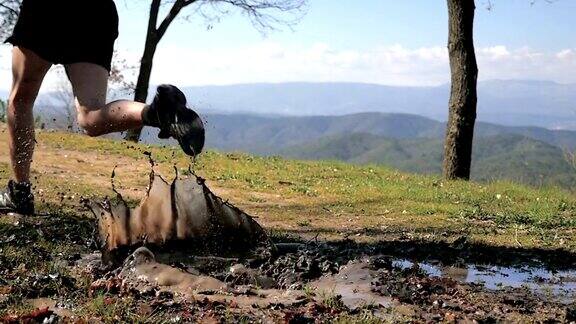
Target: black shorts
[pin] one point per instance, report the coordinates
(68, 31)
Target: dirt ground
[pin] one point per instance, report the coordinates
(304, 281)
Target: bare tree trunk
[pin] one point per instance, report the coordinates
(152, 39)
(463, 96)
(141, 91)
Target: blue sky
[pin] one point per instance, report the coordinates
(380, 41)
(413, 23)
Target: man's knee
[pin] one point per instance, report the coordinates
(90, 126)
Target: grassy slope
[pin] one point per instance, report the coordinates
(507, 156)
(333, 199)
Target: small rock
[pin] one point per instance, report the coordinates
(451, 305)
(165, 294)
(50, 320)
(571, 313)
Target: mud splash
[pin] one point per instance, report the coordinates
(183, 216)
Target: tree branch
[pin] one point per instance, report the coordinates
(174, 11)
(153, 19)
(8, 16)
(12, 11)
(261, 12)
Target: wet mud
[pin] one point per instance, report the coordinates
(326, 281)
(313, 282)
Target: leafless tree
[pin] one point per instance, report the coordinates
(65, 101)
(8, 15)
(264, 15)
(118, 79)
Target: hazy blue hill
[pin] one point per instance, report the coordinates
(302, 98)
(507, 102)
(345, 147)
(560, 138)
(259, 134)
(266, 135)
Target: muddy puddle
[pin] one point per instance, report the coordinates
(547, 284)
(353, 285)
(326, 276)
(186, 213)
(323, 282)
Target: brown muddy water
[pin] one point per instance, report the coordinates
(302, 275)
(317, 282)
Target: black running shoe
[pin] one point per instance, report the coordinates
(169, 112)
(18, 198)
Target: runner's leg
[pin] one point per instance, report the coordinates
(28, 71)
(90, 84)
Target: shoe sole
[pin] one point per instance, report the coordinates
(188, 129)
(192, 142)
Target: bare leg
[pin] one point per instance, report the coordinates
(90, 82)
(28, 71)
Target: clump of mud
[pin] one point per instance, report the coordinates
(293, 270)
(184, 216)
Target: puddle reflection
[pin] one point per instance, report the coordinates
(557, 285)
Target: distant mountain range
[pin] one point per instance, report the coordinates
(266, 135)
(513, 102)
(505, 102)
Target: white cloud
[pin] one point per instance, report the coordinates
(394, 65)
(494, 53)
(567, 54)
(526, 63)
(271, 62)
